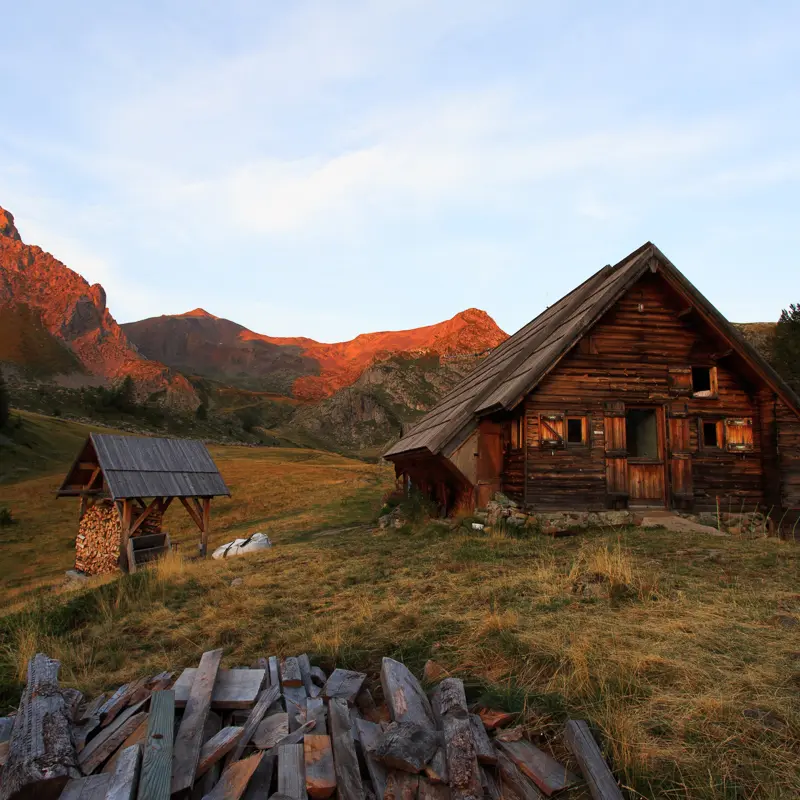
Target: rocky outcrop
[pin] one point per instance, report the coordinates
(35, 285)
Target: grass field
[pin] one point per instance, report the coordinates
(683, 650)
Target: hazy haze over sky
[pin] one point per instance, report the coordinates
(326, 169)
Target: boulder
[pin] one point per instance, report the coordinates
(238, 547)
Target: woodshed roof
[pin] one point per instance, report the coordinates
(144, 466)
(516, 366)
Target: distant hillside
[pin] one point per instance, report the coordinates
(52, 322)
(199, 343)
(760, 335)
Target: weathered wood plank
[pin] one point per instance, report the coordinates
(217, 747)
(344, 683)
(208, 781)
(125, 778)
(401, 785)
(368, 734)
(406, 746)
(483, 746)
(74, 699)
(155, 777)
(40, 751)
(491, 784)
(234, 780)
(305, 672)
(110, 738)
(510, 774)
(189, 740)
(261, 780)
(290, 672)
(432, 791)
(265, 700)
(291, 771)
(234, 688)
(318, 711)
(492, 718)
(320, 774)
(587, 753)
(542, 769)
(6, 726)
(274, 671)
(93, 787)
(111, 710)
(348, 775)
(295, 698)
(318, 676)
(137, 737)
(271, 730)
(403, 694)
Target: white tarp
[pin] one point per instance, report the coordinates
(258, 541)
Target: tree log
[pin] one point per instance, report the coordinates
(41, 756)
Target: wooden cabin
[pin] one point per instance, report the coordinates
(632, 390)
(135, 479)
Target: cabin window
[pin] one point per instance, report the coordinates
(712, 435)
(551, 430)
(739, 434)
(704, 381)
(576, 430)
(641, 433)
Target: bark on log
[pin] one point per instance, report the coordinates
(41, 756)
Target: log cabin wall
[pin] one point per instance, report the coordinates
(637, 355)
(788, 436)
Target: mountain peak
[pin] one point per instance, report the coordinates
(198, 312)
(7, 226)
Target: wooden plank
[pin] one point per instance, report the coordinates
(137, 737)
(119, 700)
(432, 791)
(318, 677)
(298, 735)
(348, 775)
(155, 778)
(403, 694)
(234, 688)
(91, 710)
(265, 700)
(217, 747)
(406, 746)
(189, 739)
(291, 771)
(6, 726)
(125, 779)
(274, 671)
(587, 753)
(93, 787)
(542, 769)
(290, 672)
(369, 733)
(522, 786)
(261, 780)
(271, 730)
(295, 698)
(320, 774)
(110, 738)
(317, 710)
(483, 746)
(344, 683)
(40, 752)
(234, 780)
(401, 785)
(305, 672)
(491, 784)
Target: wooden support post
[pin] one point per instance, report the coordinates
(206, 525)
(125, 514)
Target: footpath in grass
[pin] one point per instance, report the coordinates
(681, 649)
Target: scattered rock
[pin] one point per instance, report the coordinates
(75, 576)
(237, 582)
(478, 526)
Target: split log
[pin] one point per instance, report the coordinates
(491, 785)
(401, 786)
(305, 672)
(318, 676)
(290, 672)
(344, 683)
(483, 745)
(234, 780)
(512, 775)
(542, 769)
(271, 730)
(125, 778)
(317, 710)
(291, 771)
(436, 768)
(274, 671)
(348, 776)
(365, 703)
(432, 791)
(41, 756)
(403, 694)
(217, 747)
(91, 710)
(6, 726)
(74, 699)
(406, 746)
(320, 774)
(155, 777)
(261, 779)
(188, 742)
(590, 758)
(368, 734)
(265, 700)
(295, 698)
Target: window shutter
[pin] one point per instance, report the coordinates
(680, 381)
(551, 430)
(739, 434)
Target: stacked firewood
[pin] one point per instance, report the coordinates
(98, 540)
(282, 729)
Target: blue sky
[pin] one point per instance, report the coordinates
(331, 168)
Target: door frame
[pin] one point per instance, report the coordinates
(661, 433)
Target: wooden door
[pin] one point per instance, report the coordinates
(490, 461)
(616, 452)
(680, 460)
(645, 446)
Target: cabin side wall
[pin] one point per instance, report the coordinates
(788, 436)
(627, 358)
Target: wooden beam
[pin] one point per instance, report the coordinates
(684, 312)
(345, 760)
(144, 515)
(192, 513)
(154, 780)
(593, 766)
(291, 771)
(234, 780)
(265, 700)
(126, 775)
(125, 526)
(206, 525)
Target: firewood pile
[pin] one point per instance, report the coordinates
(98, 541)
(282, 729)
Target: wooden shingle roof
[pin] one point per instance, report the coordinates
(143, 466)
(516, 366)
